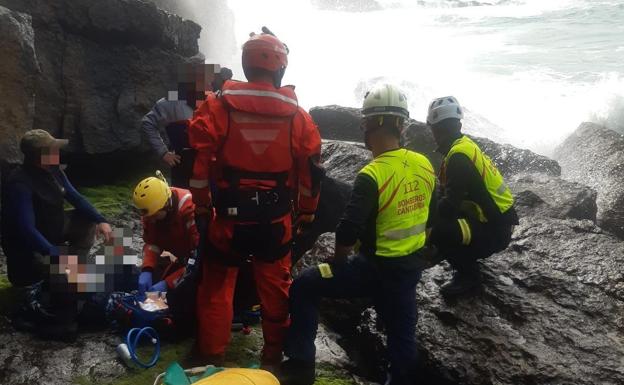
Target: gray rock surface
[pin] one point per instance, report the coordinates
(543, 195)
(594, 156)
(27, 360)
(344, 160)
(342, 123)
(511, 160)
(18, 73)
(218, 38)
(550, 311)
(103, 65)
(337, 122)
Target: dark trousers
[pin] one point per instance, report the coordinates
(486, 239)
(394, 296)
(79, 236)
(26, 267)
(78, 232)
(182, 173)
(56, 294)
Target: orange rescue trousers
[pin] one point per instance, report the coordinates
(215, 306)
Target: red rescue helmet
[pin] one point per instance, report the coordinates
(265, 51)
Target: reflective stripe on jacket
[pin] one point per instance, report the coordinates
(405, 181)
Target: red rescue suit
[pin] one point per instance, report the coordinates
(177, 234)
(262, 152)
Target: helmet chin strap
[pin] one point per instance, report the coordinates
(278, 76)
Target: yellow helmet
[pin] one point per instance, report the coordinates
(151, 194)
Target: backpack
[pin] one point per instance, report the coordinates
(124, 312)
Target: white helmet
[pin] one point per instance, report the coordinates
(385, 99)
(444, 108)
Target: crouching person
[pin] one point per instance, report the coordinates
(388, 214)
(37, 232)
(169, 232)
(476, 210)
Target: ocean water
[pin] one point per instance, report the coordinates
(528, 72)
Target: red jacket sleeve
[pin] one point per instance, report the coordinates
(151, 251)
(206, 134)
(188, 217)
(307, 154)
(187, 214)
(172, 278)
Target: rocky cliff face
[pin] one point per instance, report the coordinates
(103, 63)
(18, 73)
(594, 156)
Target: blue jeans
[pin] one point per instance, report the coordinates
(394, 296)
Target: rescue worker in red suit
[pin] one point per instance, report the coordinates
(263, 152)
(169, 231)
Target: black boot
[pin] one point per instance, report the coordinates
(465, 279)
(297, 372)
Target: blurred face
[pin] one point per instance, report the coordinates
(194, 80)
(50, 156)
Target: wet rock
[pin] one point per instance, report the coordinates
(342, 123)
(18, 73)
(103, 65)
(327, 349)
(344, 160)
(318, 253)
(552, 197)
(218, 38)
(594, 156)
(338, 123)
(511, 160)
(549, 312)
(28, 360)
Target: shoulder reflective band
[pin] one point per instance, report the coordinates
(198, 183)
(405, 233)
(183, 201)
(325, 270)
(269, 94)
(465, 230)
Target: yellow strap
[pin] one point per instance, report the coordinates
(466, 233)
(325, 270)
